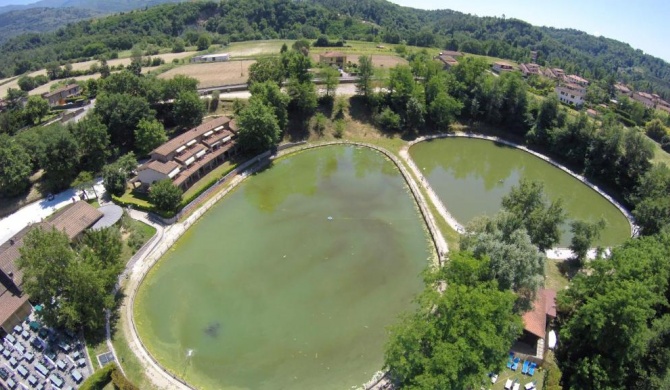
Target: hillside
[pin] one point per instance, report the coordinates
(101, 6)
(38, 20)
(239, 20)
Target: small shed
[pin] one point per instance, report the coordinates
(220, 57)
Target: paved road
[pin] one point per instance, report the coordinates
(37, 211)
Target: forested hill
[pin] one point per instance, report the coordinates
(235, 20)
(101, 6)
(36, 20)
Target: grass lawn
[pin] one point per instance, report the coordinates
(555, 279)
(134, 234)
(136, 198)
(506, 373)
(660, 155)
(215, 174)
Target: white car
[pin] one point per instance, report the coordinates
(494, 378)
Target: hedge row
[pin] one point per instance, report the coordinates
(102, 377)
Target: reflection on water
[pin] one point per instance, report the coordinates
(471, 176)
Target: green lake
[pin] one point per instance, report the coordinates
(471, 176)
(290, 281)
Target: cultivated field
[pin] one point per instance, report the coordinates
(15, 83)
(47, 87)
(214, 73)
(251, 49)
(126, 61)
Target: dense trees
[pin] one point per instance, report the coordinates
(438, 346)
(530, 209)
(148, 135)
(60, 158)
(122, 113)
(259, 129)
(116, 174)
(271, 95)
(74, 287)
(188, 110)
(15, 167)
(36, 109)
(616, 320)
(93, 142)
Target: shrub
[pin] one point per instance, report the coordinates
(99, 379)
(339, 128)
(389, 120)
(319, 123)
(120, 381)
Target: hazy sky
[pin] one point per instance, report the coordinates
(640, 23)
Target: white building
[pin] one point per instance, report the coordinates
(220, 57)
(572, 94)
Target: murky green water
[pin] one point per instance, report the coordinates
(471, 176)
(270, 293)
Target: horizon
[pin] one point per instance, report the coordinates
(644, 19)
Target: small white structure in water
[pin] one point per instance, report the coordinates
(220, 57)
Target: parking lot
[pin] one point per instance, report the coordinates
(35, 357)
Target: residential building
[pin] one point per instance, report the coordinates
(447, 61)
(663, 105)
(529, 69)
(554, 73)
(451, 53)
(622, 89)
(57, 97)
(647, 99)
(501, 66)
(533, 57)
(535, 323)
(574, 79)
(14, 305)
(187, 157)
(572, 94)
(220, 57)
(331, 58)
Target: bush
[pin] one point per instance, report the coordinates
(389, 120)
(120, 381)
(339, 128)
(319, 123)
(99, 379)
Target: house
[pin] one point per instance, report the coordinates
(529, 69)
(14, 304)
(554, 73)
(447, 61)
(331, 58)
(187, 157)
(451, 53)
(572, 94)
(645, 98)
(535, 324)
(663, 105)
(622, 89)
(574, 79)
(500, 66)
(592, 113)
(220, 57)
(57, 97)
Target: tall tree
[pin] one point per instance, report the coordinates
(271, 95)
(365, 74)
(188, 110)
(61, 158)
(259, 129)
(437, 347)
(331, 79)
(36, 109)
(266, 69)
(303, 97)
(583, 235)
(165, 195)
(121, 113)
(15, 167)
(531, 209)
(93, 141)
(149, 135)
(115, 175)
(515, 262)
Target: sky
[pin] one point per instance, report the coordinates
(640, 23)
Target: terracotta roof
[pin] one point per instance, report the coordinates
(572, 86)
(535, 321)
(75, 219)
(330, 54)
(164, 168)
(206, 159)
(188, 153)
(645, 95)
(233, 126)
(449, 60)
(452, 53)
(61, 89)
(72, 220)
(217, 137)
(196, 132)
(577, 79)
(10, 301)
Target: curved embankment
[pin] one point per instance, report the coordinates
(158, 374)
(554, 253)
